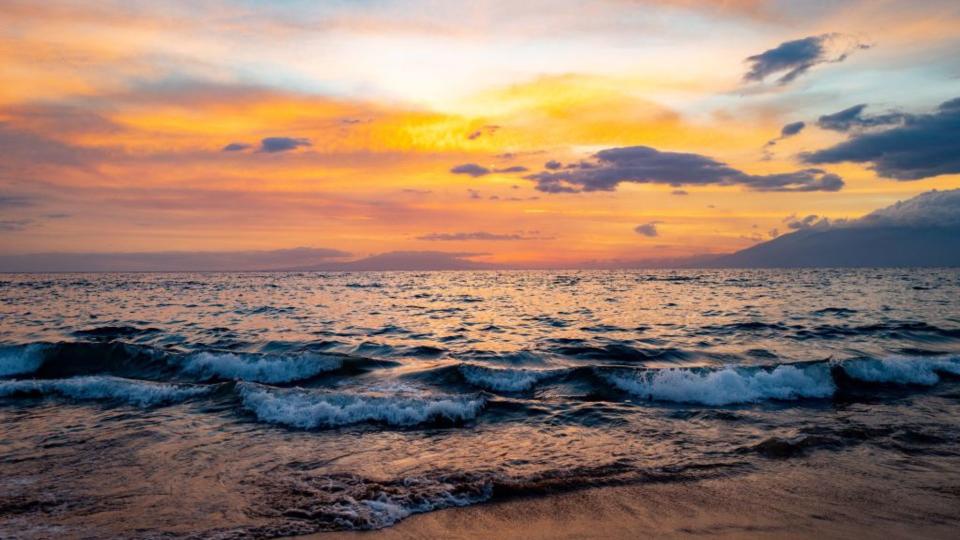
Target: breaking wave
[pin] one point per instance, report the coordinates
(506, 379)
(258, 367)
(728, 385)
(17, 360)
(311, 409)
(103, 387)
(731, 385)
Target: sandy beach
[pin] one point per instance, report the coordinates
(829, 496)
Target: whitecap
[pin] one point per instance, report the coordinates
(310, 409)
(505, 379)
(265, 368)
(902, 369)
(728, 385)
(104, 387)
(21, 359)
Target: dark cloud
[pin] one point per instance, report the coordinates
(479, 235)
(14, 225)
(794, 58)
(552, 165)
(236, 147)
(811, 221)
(282, 144)
(853, 119)
(412, 191)
(680, 192)
(645, 165)
(647, 229)
(169, 260)
(488, 130)
(471, 169)
(792, 129)
(474, 170)
(15, 201)
(786, 132)
(925, 145)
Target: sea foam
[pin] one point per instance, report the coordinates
(505, 379)
(265, 368)
(309, 409)
(902, 370)
(104, 387)
(17, 360)
(728, 385)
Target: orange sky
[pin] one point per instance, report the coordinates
(114, 119)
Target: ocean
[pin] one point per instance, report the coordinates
(258, 405)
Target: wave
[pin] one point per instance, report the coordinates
(901, 370)
(814, 380)
(104, 387)
(17, 360)
(311, 409)
(258, 367)
(728, 385)
(506, 379)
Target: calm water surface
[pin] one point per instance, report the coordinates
(258, 405)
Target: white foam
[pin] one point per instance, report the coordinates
(259, 367)
(505, 379)
(17, 360)
(728, 385)
(321, 408)
(103, 387)
(902, 369)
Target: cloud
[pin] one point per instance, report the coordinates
(552, 165)
(787, 131)
(930, 209)
(792, 129)
(514, 169)
(471, 169)
(645, 165)
(15, 201)
(14, 225)
(811, 221)
(474, 170)
(169, 260)
(479, 235)
(926, 145)
(236, 147)
(647, 229)
(282, 144)
(852, 118)
(488, 130)
(794, 58)
(680, 192)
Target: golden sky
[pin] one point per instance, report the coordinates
(539, 132)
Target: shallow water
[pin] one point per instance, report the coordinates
(250, 405)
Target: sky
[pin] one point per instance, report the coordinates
(534, 133)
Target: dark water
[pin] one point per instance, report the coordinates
(252, 405)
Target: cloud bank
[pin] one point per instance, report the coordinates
(646, 165)
(925, 145)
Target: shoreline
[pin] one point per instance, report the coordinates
(828, 496)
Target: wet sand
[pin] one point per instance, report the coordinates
(830, 496)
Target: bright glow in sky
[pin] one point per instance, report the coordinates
(375, 126)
